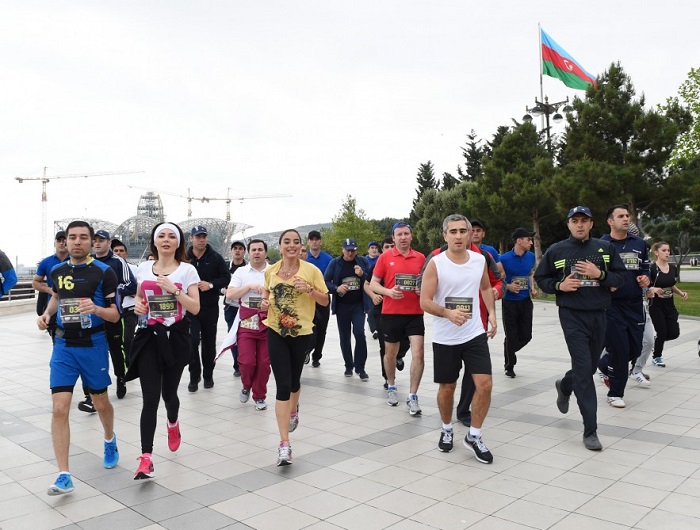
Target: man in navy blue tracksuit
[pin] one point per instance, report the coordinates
(581, 270)
(625, 317)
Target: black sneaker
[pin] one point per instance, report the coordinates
(315, 364)
(477, 445)
(445, 443)
(86, 405)
(399, 364)
(236, 373)
(194, 385)
(307, 358)
(121, 388)
(510, 373)
(348, 373)
(386, 385)
(209, 383)
(363, 376)
(562, 399)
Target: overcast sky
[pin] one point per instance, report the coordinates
(316, 99)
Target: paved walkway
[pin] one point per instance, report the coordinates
(358, 462)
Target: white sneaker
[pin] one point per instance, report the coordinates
(260, 404)
(639, 377)
(244, 396)
(616, 402)
(413, 406)
(392, 398)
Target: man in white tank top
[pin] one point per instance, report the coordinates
(450, 291)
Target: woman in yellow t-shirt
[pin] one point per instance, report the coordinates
(292, 289)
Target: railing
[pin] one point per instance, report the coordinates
(22, 291)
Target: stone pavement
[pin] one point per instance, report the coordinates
(358, 462)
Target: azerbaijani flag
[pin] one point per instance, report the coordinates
(556, 62)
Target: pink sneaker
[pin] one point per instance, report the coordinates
(174, 436)
(145, 469)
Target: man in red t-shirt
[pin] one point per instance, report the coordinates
(395, 278)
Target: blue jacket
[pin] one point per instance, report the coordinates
(332, 277)
(8, 276)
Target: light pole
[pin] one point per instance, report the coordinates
(546, 109)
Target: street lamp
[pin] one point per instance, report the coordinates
(547, 109)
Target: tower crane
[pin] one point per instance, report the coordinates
(45, 180)
(228, 198)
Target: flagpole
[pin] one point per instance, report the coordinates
(539, 36)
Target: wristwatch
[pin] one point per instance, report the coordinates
(177, 292)
(211, 286)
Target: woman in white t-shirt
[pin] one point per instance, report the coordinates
(167, 291)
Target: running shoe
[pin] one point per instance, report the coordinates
(413, 406)
(145, 469)
(477, 445)
(616, 402)
(400, 364)
(245, 395)
(605, 379)
(87, 406)
(445, 443)
(293, 422)
(639, 377)
(391, 397)
(284, 457)
(121, 388)
(363, 376)
(174, 436)
(348, 372)
(658, 361)
(111, 457)
(260, 404)
(63, 484)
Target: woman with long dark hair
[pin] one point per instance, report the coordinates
(292, 289)
(167, 292)
(662, 310)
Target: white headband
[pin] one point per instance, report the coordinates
(168, 226)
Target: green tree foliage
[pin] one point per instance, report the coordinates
(274, 254)
(448, 181)
(688, 144)
(432, 209)
(515, 189)
(616, 151)
(385, 225)
(426, 181)
(350, 222)
(473, 153)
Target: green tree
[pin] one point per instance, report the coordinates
(473, 153)
(688, 145)
(350, 223)
(448, 181)
(274, 254)
(515, 189)
(432, 209)
(426, 181)
(616, 151)
(385, 225)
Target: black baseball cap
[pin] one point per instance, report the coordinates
(239, 243)
(521, 232)
(477, 222)
(60, 235)
(584, 210)
(314, 234)
(103, 234)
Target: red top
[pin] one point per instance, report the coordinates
(389, 264)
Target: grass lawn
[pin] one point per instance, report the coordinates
(691, 306)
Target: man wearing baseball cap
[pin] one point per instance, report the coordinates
(345, 276)
(42, 279)
(321, 259)
(519, 267)
(231, 306)
(214, 276)
(580, 271)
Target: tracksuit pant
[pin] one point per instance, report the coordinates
(623, 343)
(517, 324)
(203, 327)
(351, 322)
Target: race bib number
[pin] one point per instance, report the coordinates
(353, 283)
(254, 302)
(406, 282)
(668, 293)
(520, 281)
(69, 310)
(162, 306)
(631, 260)
(586, 281)
(458, 302)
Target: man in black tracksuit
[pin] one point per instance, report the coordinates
(580, 271)
(214, 276)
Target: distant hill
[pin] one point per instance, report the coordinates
(271, 238)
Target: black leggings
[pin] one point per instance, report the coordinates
(156, 380)
(287, 356)
(664, 316)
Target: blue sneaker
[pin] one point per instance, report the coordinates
(63, 484)
(658, 361)
(111, 458)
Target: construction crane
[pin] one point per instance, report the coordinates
(228, 198)
(45, 180)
